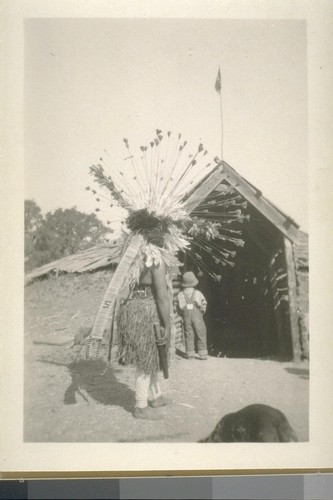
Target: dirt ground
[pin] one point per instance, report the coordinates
(92, 401)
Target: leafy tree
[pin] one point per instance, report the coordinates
(32, 220)
(32, 216)
(61, 233)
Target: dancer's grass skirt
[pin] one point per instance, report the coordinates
(137, 343)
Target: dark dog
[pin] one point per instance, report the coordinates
(253, 424)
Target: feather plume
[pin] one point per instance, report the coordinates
(149, 191)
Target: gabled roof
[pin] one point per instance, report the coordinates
(224, 172)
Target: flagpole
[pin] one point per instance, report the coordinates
(218, 88)
(221, 123)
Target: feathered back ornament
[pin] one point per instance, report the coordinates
(148, 197)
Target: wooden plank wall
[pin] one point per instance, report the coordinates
(279, 284)
(301, 257)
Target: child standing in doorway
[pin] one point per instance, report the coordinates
(192, 305)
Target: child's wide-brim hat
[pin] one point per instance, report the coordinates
(189, 279)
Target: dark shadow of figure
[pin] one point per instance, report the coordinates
(301, 372)
(98, 379)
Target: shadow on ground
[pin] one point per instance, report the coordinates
(99, 381)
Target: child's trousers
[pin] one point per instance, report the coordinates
(195, 330)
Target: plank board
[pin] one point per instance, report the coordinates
(293, 308)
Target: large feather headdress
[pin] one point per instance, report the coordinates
(151, 192)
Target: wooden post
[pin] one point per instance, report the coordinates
(277, 312)
(293, 308)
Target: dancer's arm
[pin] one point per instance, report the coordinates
(159, 283)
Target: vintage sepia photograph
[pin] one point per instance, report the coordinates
(166, 207)
(166, 260)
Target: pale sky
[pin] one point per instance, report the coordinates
(91, 82)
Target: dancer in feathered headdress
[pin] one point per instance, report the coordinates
(151, 198)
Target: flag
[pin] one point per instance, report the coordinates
(218, 82)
